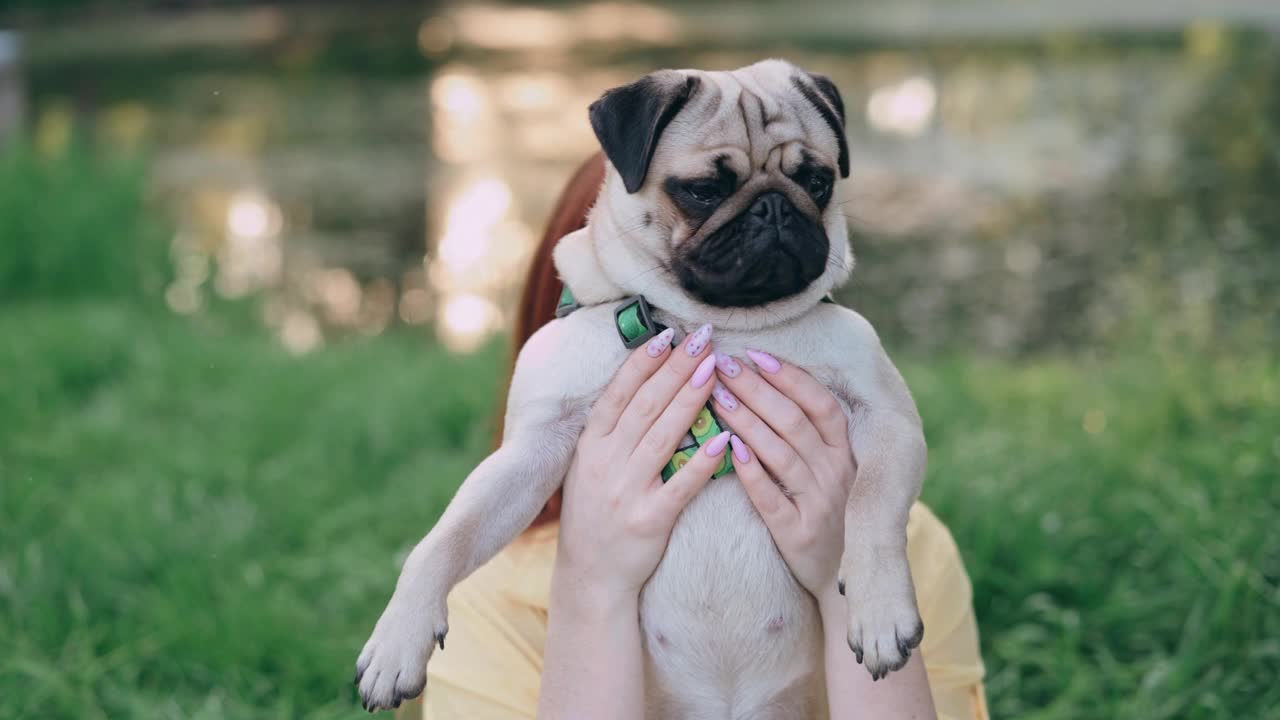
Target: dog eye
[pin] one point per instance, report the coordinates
(819, 185)
(704, 193)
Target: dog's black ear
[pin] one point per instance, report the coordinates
(628, 120)
(824, 96)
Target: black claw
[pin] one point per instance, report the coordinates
(440, 638)
(857, 650)
(840, 586)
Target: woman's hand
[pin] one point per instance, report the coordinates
(617, 513)
(615, 521)
(799, 435)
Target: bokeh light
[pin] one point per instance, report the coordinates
(905, 108)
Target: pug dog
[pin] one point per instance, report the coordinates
(718, 206)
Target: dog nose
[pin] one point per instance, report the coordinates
(772, 208)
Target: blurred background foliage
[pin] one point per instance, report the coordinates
(78, 226)
(257, 260)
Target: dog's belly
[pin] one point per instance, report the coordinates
(728, 631)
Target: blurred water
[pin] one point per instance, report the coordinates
(1016, 190)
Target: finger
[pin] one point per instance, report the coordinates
(773, 505)
(681, 366)
(637, 368)
(778, 456)
(659, 442)
(769, 404)
(814, 398)
(690, 479)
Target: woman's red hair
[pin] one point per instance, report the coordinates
(542, 286)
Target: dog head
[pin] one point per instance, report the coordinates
(720, 197)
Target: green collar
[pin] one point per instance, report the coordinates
(633, 318)
(634, 321)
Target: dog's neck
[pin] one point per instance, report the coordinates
(597, 276)
(581, 271)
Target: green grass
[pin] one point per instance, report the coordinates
(195, 524)
(1130, 573)
(76, 224)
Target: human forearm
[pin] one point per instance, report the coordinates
(851, 693)
(593, 664)
(615, 524)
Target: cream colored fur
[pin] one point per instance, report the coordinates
(729, 633)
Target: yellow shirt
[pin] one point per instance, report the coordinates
(498, 629)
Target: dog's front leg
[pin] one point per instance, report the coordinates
(559, 372)
(884, 622)
(888, 443)
(495, 503)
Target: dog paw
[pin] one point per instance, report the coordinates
(392, 666)
(884, 624)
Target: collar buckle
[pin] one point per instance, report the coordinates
(635, 323)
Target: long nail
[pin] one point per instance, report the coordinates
(660, 342)
(716, 445)
(740, 451)
(764, 361)
(705, 370)
(697, 342)
(724, 397)
(728, 366)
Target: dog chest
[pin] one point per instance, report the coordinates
(727, 629)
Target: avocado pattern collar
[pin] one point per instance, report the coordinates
(634, 321)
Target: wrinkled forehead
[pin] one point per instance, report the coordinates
(758, 122)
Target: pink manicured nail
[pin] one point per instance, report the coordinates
(724, 397)
(698, 340)
(764, 361)
(740, 451)
(660, 342)
(705, 370)
(728, 365)
(716, 445)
